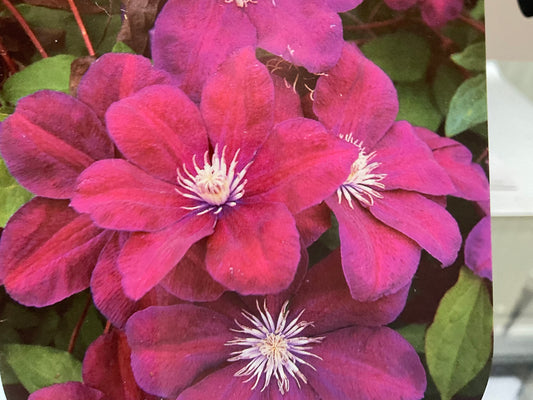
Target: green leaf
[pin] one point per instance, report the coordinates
(121, 47)
(12, 195)
(416, 105)
(459, 341)
(414, 334)
(471, 58)
(48, 73)
(7, 373)
(478, 12)
(447, 80)
(404, 56)
(468, 106)
(38, 366)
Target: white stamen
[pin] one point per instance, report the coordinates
(241, 3)
(272, 348)
(215, 184)
(362, 183)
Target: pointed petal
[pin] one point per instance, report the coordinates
(313, 222)
(356, 97)
(174, 345)
(147, 257)
(49, 140)
(478, 254)
(238, 104)
(343, 5)
(376, 259)
(115, 76)
(255, 249)
(159, 129)
(422, 220)
(67, 391)
(300, 165)
(191, 38)
(287, 102)
(121, 196)
(48, 252)
(361, 363)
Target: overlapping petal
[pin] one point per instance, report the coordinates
(67, 391)
(478, 253)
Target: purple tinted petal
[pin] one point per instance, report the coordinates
(313, 222)
(191, 38)
(422, 220)
(172, 346)
(159, 129)
(115, 76)
(367, 363)
(49, 140)
(255, 248)
(343, 5)
(238, 104)
(286, 101)
(437, 13)
(147, 257)
(376, 259)
(356, 97)
(478, 253)
(67, 391)
(304, 32)
(121, 196)
(48, 252)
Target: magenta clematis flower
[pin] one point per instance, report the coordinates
(48, 251)
(478, 249)
(384, 216)
(192, 38)
(223, 172)
(311, 342)
(435, 13)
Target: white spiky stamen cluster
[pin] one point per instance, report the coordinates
(241, 3)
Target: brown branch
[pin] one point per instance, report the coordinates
(473, 23)
(83, 31)
(77, 328)
(5, 56)
(26, 27)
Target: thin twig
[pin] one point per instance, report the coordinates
(12, 9)
(482, 155)
(77, 328)
(108, 327)
(473, 23)
(5, 56)
(83, 31)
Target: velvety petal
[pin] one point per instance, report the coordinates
(191, 38)
(174, 345)
(106, 367)
(304, 32)
(238, 105)
(326, 299)
(49, 140)
(356, 99)
(343, 5)
(121, 196)
(159, 129)
(286, 101)
(115, 76)
(409, 163)
(255, 248)
(48, 252)
(67, 391)
(422, 220)
(313, 222)
(147, 257)
(300, 165)
(376, 259)
(189, 280)
(361, 363)
(478, 253)
(437, 13)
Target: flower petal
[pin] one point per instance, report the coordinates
(300, 165)
(191, 38)
(238, 104)
(121, 196)
(437, 13)
(313, 222)
(48, 252)
(49, 140)
(376, 259)
(356, 97)
(115, 76)
(159, 129)
(255, 248)
(287, 103)
(174, 345)
(147, 257)
(343, 5)
(67, 391)
(478, 254)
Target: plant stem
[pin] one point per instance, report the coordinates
(83, 31)
(372, 25)
(5, 55)
(473, 23)
(77, 328)
(26, 27)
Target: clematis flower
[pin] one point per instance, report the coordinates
(223, 172)
(435, 13)
(384, 216)
(48, 251)
(311, 342)
(191, 38)
(478, 253)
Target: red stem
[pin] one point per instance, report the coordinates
(5, 55)
(26, 27)
(473, 23)
(77, 328)
(83, 31)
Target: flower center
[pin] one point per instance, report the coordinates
(215, 184)
(362, 183)
(273, 349)
(241, 3)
